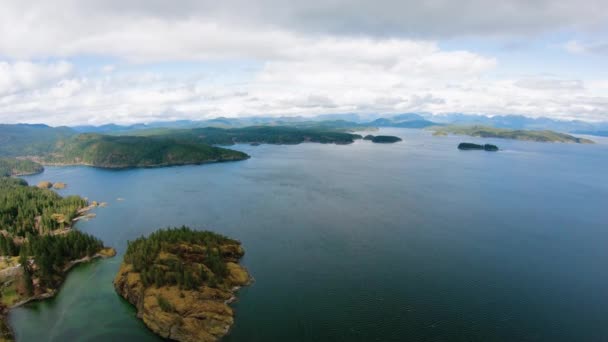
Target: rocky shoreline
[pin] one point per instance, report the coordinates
(44, 162)
(6, 332)
(179, 312)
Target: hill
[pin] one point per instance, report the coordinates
(528, 135)
(137, 151)
(256, 134)
(403, 121)
(31, 140)
(18, 167)
(157, 146)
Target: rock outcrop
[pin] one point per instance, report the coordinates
(180, 313)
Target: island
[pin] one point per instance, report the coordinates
(382, 139)
(516, 134)
(471, 146)
(181, 281)
(38, 245)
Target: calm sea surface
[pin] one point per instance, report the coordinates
(367, 242)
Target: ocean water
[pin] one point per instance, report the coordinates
(366, 242)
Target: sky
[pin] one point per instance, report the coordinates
(72, 62)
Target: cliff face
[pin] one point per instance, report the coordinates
(202, 314)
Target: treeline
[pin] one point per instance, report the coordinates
(179, 256)
(27, 217)
(52, 253)
(16, 167)
(25, 209)
(257, 134)
(138, 151)
(31, 140)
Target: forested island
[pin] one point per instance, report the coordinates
(18, 167)
(382, 139)
(517, 134)
(37, 243)
(471, 146)
(181, 282)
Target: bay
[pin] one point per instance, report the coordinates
(365, 242)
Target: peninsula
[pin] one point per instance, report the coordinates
(108, 151)
(151, 147)
(38, 245)
(181, 282)
(18, 167)
(516, 134)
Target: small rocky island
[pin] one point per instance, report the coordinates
(182, 281)
(382, 139)
(471, 146)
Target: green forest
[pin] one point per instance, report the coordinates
(504, 133)
(31, 140)
(29, 210)
(136, 151)
(28, 217)
(18, 167)
(151, 147)
(257, 134)
(183, 257)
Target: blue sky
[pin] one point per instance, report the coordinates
(95, 62)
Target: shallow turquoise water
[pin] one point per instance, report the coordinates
(407, 241)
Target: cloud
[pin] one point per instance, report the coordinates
(308, 86)
(302, 58)
(202, 29)
(550, 84)
(24, 75)
(577, 47)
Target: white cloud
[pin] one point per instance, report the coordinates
(597, 48)
(550, 84)
(308, 86)
(20, 76)
(308, 58)
(195, 29)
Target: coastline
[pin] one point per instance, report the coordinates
(195, 306)
(126, 167)
(6, 331)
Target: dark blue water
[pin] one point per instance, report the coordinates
(366, 242)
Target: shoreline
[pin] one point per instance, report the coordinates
(66, 270)
(8, 334)
(127, 167)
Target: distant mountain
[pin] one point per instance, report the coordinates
(337, 117)
(520, 122)
(28, 140)
(506, 133)
(596, 133)
(403, 121)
